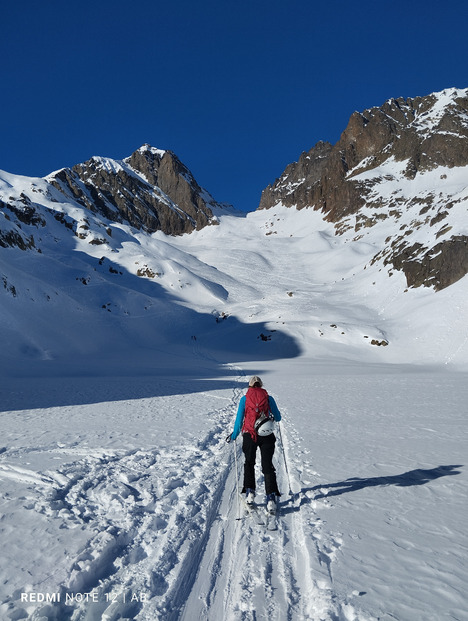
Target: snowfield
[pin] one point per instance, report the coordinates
(118, 492)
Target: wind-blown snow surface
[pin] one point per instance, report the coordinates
(118, 495)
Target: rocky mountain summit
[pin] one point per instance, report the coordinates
(151, 190)
(405, 163)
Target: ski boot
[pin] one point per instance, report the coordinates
(249, 496)
(271, 503)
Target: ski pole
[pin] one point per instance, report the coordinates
(284, 457)
(237, 480)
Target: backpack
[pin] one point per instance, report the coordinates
(257, 409)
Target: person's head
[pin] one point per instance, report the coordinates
(255, 382)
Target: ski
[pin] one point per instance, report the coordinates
(271, 519)
(252, 510)
(260, 514)
(265, 518)
(271, 522)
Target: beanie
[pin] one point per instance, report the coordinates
(255, 380)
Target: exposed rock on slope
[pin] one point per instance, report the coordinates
(407, 162)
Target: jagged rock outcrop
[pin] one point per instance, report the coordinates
(15, 213)
(151, 190)
(395, 161)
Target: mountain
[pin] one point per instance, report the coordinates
(96, 277)
(151, 190)
(90, 225)
(399, 176)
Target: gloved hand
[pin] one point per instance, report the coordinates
(229, 438)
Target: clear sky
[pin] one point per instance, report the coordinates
(236, 89)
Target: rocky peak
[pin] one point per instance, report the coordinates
(385, 166)
(147, 160)
(426, 132)
(151, 190)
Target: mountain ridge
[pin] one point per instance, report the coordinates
(151, 189)
(86, 272)
(402, 141)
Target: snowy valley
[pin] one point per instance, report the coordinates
(126, 350)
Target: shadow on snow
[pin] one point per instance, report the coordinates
(407, 479)
(128, 342)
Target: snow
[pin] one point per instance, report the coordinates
(117, 488)
(413, 203)
(155, 151)
(428, 121)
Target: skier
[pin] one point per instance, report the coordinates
(255, 416)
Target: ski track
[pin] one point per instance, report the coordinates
(171, 540)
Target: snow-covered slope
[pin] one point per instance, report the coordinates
(75, 283)
(124, 294)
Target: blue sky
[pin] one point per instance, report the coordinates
(236, 89)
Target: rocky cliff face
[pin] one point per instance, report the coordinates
(151, 190)
(405, 162)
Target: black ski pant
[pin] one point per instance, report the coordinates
(266, 444)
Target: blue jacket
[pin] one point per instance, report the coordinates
(241, 411)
